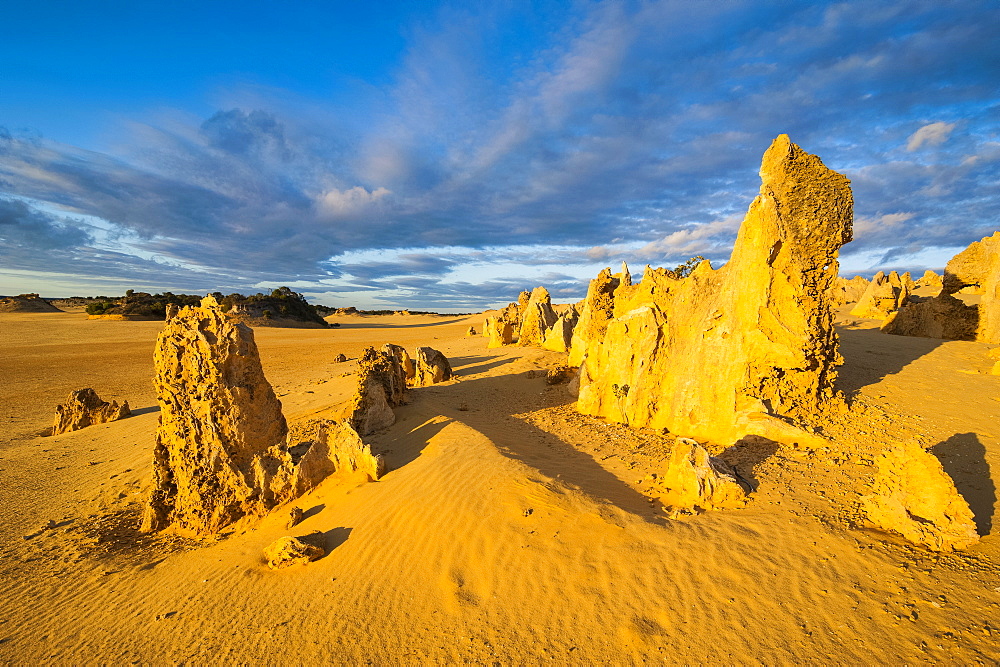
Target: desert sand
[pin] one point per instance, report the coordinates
(515, 531)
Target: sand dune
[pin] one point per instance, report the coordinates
(515, 531)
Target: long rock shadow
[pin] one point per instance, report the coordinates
(870, 356)
(400, 448)
(964, 459)
(543, 451)
(327, 540)
(464, 365)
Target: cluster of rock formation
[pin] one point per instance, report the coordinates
(884, 296)
(741, 350)
(975, 270)
(223, 450)
(84, 408)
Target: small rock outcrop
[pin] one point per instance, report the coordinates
(746, 349)
(537, 318)
(381, 387)
(340, 358)
(883, 297)
(470, 332)
(914, 497)
(942, 316)
(319, 449)
(693, 480)
(970, 269)
(84, 408)
(931, 280)
(289, 551)
(218, 414)
(26, 303)
(404, 359)
(846, 291)
(499, 330)
(432, 367)
(559, 338)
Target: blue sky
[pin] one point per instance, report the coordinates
(446, 156)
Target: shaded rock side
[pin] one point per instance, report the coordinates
(316, 450)
(598, 308)
(288, 551)
(381, 387)
(559, 338)
(84, 408)
(218, 413)
(537, 318)
(693, 480)
(914, 497)
(971, 267)
(499, 330)
(404, 359)
(884, 296)
(740, 350)
(943, 316)
(432, 367)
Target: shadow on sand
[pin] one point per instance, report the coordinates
(372, 325)
(870, 356)
(964, 459)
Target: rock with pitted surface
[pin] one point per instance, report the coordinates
(289, 551)
(84, 408)
(404, 359)
(537, 318)
(381, 387)
(749, 348)
(318, 449)
(914, 497)
(218, 415)
(942, 316)
(846, 291)
(559, 338)
(883, 297)
(969, 270)
(432, 367)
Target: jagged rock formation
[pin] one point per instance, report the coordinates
(432, 367)
(340, 358)
(499, 330)
(84, 408)
(693, 480)
(217, 415)
(943, 316)
(318, 449)
(559, 338)
(289, 551)
(741, 350)
(381, 387)
(884, 296)
(846, 291)
(404, 359)
(974, 270)
(598, 308)
(26, 303)
(471, 332)
(930, 279)
(915, 497)
(536, 319)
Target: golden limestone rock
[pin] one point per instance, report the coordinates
(598, 308)
(84, 408)
(499, 330)
(942, 316)
(536, 319)
(288, 551)
(404, 359)
(846, 291)
(930, 280)
(969, 269)
(693, 480)
(218, 413)
(321, 448)
(559, 337)
(742, 350)
(432, 367)
(471, 331)
(884, 296)
(915, 497)
(381, 387)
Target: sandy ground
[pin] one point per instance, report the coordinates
(511, 532)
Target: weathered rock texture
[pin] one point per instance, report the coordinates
(499, 330)
(943, 316)
(741, 350)
(972, 267)
(381, 387)
(559, 338)
(916, 498)
(340, 358)
(884, 296)
(695, 480)
(598, 308)
(223, 450)
(289, 551)
(218, 414)
(536, 319)
(84, 408)
(404, 359)
(930, 279)
(432, 367)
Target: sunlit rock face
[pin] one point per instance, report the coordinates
(218, 414)
(884, 295)
(744, 349)
(536, 319)
(84, 408)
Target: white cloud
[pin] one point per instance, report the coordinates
(712, 237)
(338, 203)
(933, 134)
(865, 225)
